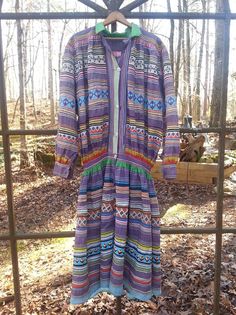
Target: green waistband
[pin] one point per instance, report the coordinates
(118, 163)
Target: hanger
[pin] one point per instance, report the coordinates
(112, 18)
(116, 16)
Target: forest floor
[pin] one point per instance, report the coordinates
(44, 203)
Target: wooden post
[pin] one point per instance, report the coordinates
(118, 305)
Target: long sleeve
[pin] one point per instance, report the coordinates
(171, 142)
(66, 149)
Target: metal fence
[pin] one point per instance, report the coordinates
(222, 130)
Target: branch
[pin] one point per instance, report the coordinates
(94, 6)
(132, 5)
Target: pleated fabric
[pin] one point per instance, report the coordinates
(117, 243)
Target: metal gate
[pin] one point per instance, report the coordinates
(222, 130)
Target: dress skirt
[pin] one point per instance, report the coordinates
(117, 238)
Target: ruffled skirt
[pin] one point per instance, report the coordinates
(117, 238)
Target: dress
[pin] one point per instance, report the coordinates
(117, 107)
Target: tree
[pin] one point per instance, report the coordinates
(187, 62)
(172, 30)
(50, 70)
(221, 6)
(197, 97)
(178, 52)
(24, 160)
(207, 61)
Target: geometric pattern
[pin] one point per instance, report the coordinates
(65, 102)
(122, 212)
(92, 95)
(96, 59)
(167, 69)
(140, 257)
(171, 100)
(107, 207)
(140, 215)
(147, 104)
(140, 131)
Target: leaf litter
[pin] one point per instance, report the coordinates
(44, 203)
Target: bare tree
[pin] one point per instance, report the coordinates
(50, 70)
(178, 51)
(25, 57)
(24, 160)
(197, 97)
(61, 41)
(184, 92)
(172, 31)
(187, 61)
(207, 67)
(221, 6)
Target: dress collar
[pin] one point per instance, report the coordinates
(132, 31)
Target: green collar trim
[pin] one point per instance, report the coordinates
(132, 31)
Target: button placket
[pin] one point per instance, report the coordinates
(116, 107)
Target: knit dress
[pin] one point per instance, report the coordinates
(117, 108)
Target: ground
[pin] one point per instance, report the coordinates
(44, 203)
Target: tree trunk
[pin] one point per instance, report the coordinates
(221, 6)
(178, 57)
(43, 89)
(184, 102)
(205, 104)
(32, 63)
(25, 59)
(188, 63)
(60, 45)
(197, 96)
(24, 160)
(172, 30)
(50, 74)
(210, 80)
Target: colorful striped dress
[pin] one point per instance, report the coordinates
(117, 108)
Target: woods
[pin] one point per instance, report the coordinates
(194, 50)
(33, 52)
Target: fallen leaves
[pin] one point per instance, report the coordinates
(187, 261)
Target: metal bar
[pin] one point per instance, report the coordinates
(94, 6)
(130, 15)
(16, 132)
(13, 132)
(220, 184)
(118, 305)
(113, 5)
(8, 176)
(64, 234)
(132, 6)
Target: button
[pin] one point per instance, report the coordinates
(115, 156)
(116, 134)
(118, 69)
(117, 105)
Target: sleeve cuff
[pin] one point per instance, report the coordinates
(64, 171)
(169, 171)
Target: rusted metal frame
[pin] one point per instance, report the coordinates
(130, 15)
(220, 184)
(64, 234)
(13, 132)
(94, 6)
(8, 178)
